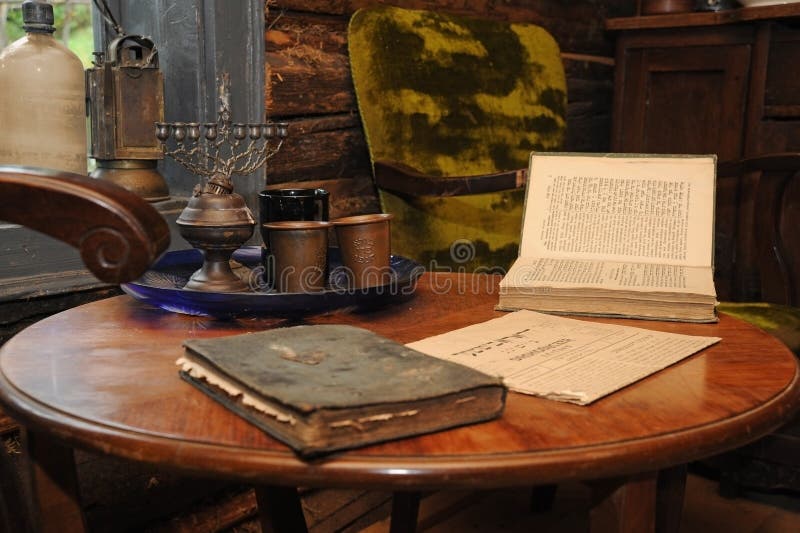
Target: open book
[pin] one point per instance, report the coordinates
(616, 235)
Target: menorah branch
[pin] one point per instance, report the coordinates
(223, 148)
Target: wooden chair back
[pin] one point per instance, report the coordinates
(757, 221)
(118, 234)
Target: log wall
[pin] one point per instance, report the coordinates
(309, 84)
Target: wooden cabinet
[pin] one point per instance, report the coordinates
(722, 83)
(726, 83)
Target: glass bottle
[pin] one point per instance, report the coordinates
(42, 98)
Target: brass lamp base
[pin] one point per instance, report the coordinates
(216, 275)
(139, 176)
(217, 225)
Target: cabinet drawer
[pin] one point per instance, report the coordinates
(688, 100)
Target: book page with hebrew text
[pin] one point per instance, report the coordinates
(637, 209)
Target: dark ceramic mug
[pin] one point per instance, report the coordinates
(278, 205)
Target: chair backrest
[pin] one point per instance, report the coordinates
(444, 99)
(450, 95)
(758, 216)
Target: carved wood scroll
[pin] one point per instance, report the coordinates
(117, 233)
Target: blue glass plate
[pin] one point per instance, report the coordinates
(162, 286)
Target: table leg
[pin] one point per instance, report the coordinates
(15, 514)
(280, 510)
(624, 505)
(651, 501)
(542, 498)
(405, 509)
(671, 489)
(54, 484)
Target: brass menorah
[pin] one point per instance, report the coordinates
(216, 220)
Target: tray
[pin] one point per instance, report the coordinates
(162, 286)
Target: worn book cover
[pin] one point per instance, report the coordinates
(627, 235)
(331, 387)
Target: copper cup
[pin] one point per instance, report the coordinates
(365, 246)
(299, 250)
(276, 205)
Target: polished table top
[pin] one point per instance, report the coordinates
(102, 376)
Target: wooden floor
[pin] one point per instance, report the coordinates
(506, 511)
(352, 511)
(234, 510)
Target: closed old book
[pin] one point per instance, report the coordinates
(331, 387)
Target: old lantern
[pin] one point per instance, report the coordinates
(125, 89)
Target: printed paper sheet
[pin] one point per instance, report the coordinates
(562, 358)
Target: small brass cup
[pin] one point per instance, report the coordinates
(365, 245)
(277, 205)
(299, 250)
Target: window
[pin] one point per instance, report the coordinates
(73, 22)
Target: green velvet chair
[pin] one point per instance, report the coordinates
(452, 108)
(764, 276)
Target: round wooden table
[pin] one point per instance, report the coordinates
(102, 377)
